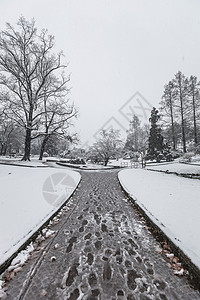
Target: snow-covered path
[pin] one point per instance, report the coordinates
(171, 202)
(101, 249)
(28, 197)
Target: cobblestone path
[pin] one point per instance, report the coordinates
(101, 250)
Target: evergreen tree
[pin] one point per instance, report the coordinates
(156, 145)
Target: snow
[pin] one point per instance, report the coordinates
(87, 166)
(175, 167)
(21, 258)
(171, 202)
(180, 273)
(29, 197)
(18, 162)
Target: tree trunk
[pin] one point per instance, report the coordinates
(183, 126)
(194, 119)
(44, 142)
(5, 148)
(27, 150)
(172, 123)
(182, 116)
(106, 162)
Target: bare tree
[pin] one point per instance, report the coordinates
(181, 96)
(194, 91)
(56, 117)
(168, 106)
(137, 138)
(29, 72)
(107, 146)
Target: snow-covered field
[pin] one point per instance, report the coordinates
(175, 167)
(28, 197)
(35, 162)
(171, 202)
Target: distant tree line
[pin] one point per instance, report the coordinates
(175, 126)
(172, 130)
(33, 90)
(180, 111)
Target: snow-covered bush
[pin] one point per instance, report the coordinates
(176, 154)
(196, 158)
(187, 157)
(76, 161)
(45, 154)
(197, 149)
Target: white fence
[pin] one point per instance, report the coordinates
(133, 165)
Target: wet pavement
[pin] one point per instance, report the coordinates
(101, 249)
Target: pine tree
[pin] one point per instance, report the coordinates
(156, 145)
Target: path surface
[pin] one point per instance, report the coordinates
(101, 250)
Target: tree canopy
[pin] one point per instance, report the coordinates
(33, 82)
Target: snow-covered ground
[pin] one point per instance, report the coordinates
(171, 202)
(28, 197)
(175, 167)
(87, 166)
(35, 162)
(122, 163)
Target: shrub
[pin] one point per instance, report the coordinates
(187, 157)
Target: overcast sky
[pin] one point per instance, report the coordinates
(117, 48)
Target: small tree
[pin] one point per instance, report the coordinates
(10, 136)
(133, 137)
(58, 145)
(107, 146)
(137, 136)
(156, 145)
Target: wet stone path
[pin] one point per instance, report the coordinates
(101, 250)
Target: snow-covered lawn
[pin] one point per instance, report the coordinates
(28, 197)
(35, 162)
(172, 202)
(175, 167)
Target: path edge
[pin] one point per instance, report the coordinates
(160, 236)
(32, 238)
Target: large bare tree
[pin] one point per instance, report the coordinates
(29, 73)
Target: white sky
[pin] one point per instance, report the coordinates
(116, 48)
